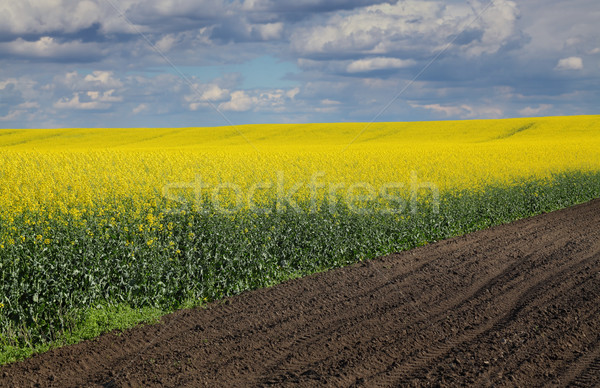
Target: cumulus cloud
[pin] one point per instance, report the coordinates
(378, 63)
(328, 106)
(24, 87)
(10, 81)
(497, 25)
(462, 111)
(292, 93)
(175, 14)
(28, 105)
(75, 103)
(94, 100)
(269, 31)
(239, 102)
(531, 111)
(139, 109)
(214, 93)
(447, 110)
(571, 63)
(25, 17)
(410, 26)
(104, 79)
(203, 95)
(106, 96)
(305, 5)
(97, 80)
(12, 115)
(259, 100)
(165, 43)
(331, 59)
(49, 48)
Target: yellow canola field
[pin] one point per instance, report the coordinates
(164, 218)
(75, 169)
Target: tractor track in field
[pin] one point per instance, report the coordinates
(514, 305)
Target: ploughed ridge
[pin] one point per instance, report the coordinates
(517, 304)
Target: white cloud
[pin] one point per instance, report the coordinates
(239, 102)
(551, 24)
(95, 81)
(304, 6)
(165, 43)
(292, 93)
(28, 105)
(498, 25)
(410, 25)
(20, 17)
(329, 39)
(447, 110)
(75, 103)
(379, 63)
(70, 79)
(140, 108)
(272, 100)
(9, 81)
(571, 63)
(269, 31)
(95, 100)
(462, 111)
(12, 115)
(194, 106)
(328, 106)
(23, 17)
(104, 79)
(214, 93)
(49, 48)
(531, 111)
(326, 109)
(205, 94)
(107, 96)
(24, 86)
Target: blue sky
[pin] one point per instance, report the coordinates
(137, 63)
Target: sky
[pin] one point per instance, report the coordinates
(174, 63)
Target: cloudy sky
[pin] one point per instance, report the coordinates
(111, 63)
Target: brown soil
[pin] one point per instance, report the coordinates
(515, 305)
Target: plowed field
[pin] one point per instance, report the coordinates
(515, 305)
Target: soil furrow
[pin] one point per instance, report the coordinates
(514, 305)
